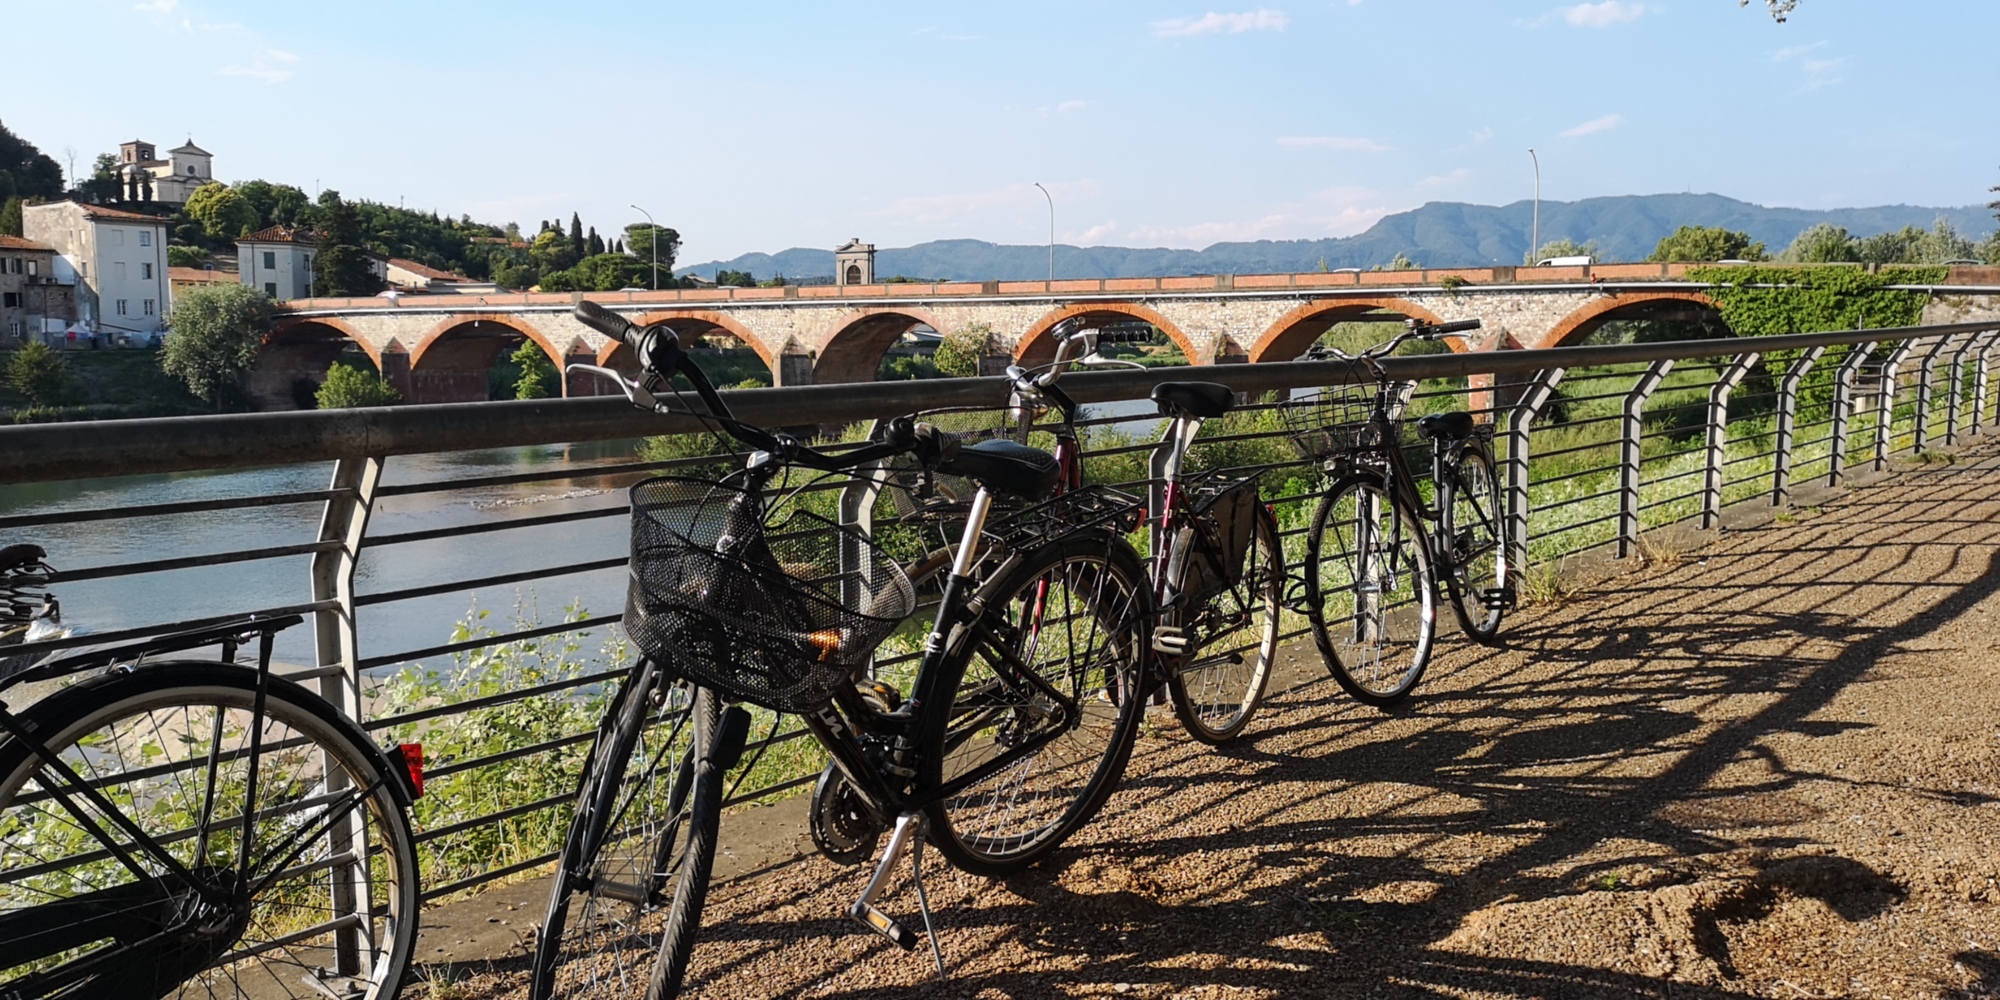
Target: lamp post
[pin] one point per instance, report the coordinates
(1052, 230)
(1535, 234)
(654, 239)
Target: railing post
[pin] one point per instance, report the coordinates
(1981, 371)
(1956, 398)
(1885, 402)
(1519, 419)
(1718, 435)
(1843, 405)
(1788, 412)
(1926, 389)
(337, 645)
(1629, 455)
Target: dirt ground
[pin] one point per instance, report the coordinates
(1766, 768)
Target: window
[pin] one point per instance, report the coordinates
(17, 265)
(190, 170)
(118, 269)
(145, 238)
(146, 271)
(271, 289)
(121, 307)
(10, 300)
(149, 307)
(34, 268)
(117, 237)
(270, 258)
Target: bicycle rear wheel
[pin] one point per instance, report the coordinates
(126, 870)
(635, 865)
(1218, 686)
(1474, 529)
(1370, 593)
(1048, 703)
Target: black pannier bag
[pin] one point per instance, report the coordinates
(1220, 528)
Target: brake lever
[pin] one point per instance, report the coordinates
(1099, 361)
(636, 393)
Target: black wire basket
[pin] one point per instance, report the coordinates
(1328, 421)
(778, 615)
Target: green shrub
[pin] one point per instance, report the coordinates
(41, 374)
(347, 386)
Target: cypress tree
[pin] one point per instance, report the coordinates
(576, 243)
(596, 243)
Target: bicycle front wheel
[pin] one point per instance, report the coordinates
(1048, 703)
(1477, 535)
(634, 873)
(1218, 686)
(152, 853)
(1370, 593)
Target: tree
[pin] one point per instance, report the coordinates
(1899, 247)
(1822, 244)
(40, 374)
(1702, 243)
(959, 351)
(10, 217)
(1401, 262)
(347, 386)
(223, 214)
(104, 183)
(340, 266)
(186, 256)
(276, 204)
(740, 279)
(577, 244)
(539, 378)
(594, 244)
(1941, 243)
(1564, 247)
(26, 172)
(640, 240)
(216, 333)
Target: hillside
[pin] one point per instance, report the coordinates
(1440, 234)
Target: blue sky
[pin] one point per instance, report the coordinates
(754, 126)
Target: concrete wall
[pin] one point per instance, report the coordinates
(115, 260)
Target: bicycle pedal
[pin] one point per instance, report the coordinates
(1497, 598)
(879, 922)
(1169, 639)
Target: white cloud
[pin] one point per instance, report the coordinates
(1603, 124)
(266, 64)
(1603, 15)
(1446, 180)
(1345, 143)
(1211, 23)
(1091, 236)
(1818, 72)
(1071, 106)
(1480, 137)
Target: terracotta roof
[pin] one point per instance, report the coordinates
(101, 212)
(280, 233)
(17, 243)
(196, 274)
(423, 271)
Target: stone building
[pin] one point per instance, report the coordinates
(117, 260)
(854, 263)
(146, 177)
(278, 261)
(33, 304)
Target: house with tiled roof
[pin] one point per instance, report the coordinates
(410, 276)
(116, 259)
(32, 302)
(278, 261)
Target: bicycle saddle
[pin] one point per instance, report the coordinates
(1008, 467)
(1196, 399)
(14, 557)
(1446, 426)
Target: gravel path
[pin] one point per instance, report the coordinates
(1769, 770)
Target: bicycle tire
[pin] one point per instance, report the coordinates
(1090, 582)
(1215, 692)
(623, 874)
(1474, 528)
(176, 737)
(1387, 632)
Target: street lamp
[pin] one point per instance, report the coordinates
(1052, 230)
(1535, 234)
(655, 240)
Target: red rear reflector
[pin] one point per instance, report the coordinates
(413, 762)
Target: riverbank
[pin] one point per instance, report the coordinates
(107, 384)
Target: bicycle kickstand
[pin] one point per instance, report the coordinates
(908, 837)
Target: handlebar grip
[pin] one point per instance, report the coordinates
(1455, 326)
(608, 323)
(935, 446)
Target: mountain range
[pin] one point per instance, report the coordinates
(1440, 234)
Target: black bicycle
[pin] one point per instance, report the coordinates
(1374, 564)
(175, 827)
(1014, 728)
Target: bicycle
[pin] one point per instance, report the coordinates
(1216, 567)
(189, 827)
(1371, 592)
(1014, 729)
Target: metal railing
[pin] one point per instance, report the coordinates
(1599, 445)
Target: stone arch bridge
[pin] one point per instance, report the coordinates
(438, 348)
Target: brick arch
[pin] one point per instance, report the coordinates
(722, 321)
(860, 339)
(1290, 335)
(1037, 347)
(284, 327)
(300, 351)
(1585, 319)
(447, 367)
